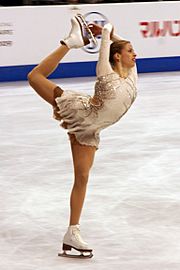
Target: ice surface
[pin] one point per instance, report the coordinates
(131, 216)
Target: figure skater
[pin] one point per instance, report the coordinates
(84, 116)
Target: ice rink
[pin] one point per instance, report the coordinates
(131, 216)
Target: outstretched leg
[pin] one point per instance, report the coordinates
(38, 76)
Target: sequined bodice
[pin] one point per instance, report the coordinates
(111, 86)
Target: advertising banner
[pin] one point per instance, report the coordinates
(28, 34)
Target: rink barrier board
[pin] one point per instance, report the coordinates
(83, 69)
(26, 36)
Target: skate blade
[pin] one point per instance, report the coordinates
(88, 30)
(85, 39)
(73, 256)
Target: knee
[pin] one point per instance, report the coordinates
(81, 179)
(31, 76)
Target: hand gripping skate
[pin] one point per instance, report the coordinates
(84, 253)
(88, 31)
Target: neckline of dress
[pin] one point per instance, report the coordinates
(121, 77)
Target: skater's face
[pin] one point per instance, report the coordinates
(128, 56)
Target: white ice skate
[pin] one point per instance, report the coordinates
(80, 34)
(89, 33)
(73, 240)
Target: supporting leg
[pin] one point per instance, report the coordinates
(83, 157)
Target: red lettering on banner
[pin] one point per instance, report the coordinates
(160, 29)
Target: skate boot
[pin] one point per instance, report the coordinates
(73, 240)
(77, 38)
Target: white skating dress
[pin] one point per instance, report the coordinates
(114, 96)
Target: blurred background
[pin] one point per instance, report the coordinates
(59, 2)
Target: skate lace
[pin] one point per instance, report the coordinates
(76, 234)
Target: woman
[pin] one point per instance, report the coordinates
(85, 116)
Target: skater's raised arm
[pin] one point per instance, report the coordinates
(97, 30)
(103, 65)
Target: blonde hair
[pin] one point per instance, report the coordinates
(116, 47)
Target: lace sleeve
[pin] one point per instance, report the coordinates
(103, 66)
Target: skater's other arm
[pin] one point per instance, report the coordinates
(115, 37)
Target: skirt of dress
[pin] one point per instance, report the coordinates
(72, 110)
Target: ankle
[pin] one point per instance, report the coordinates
(73, 225)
